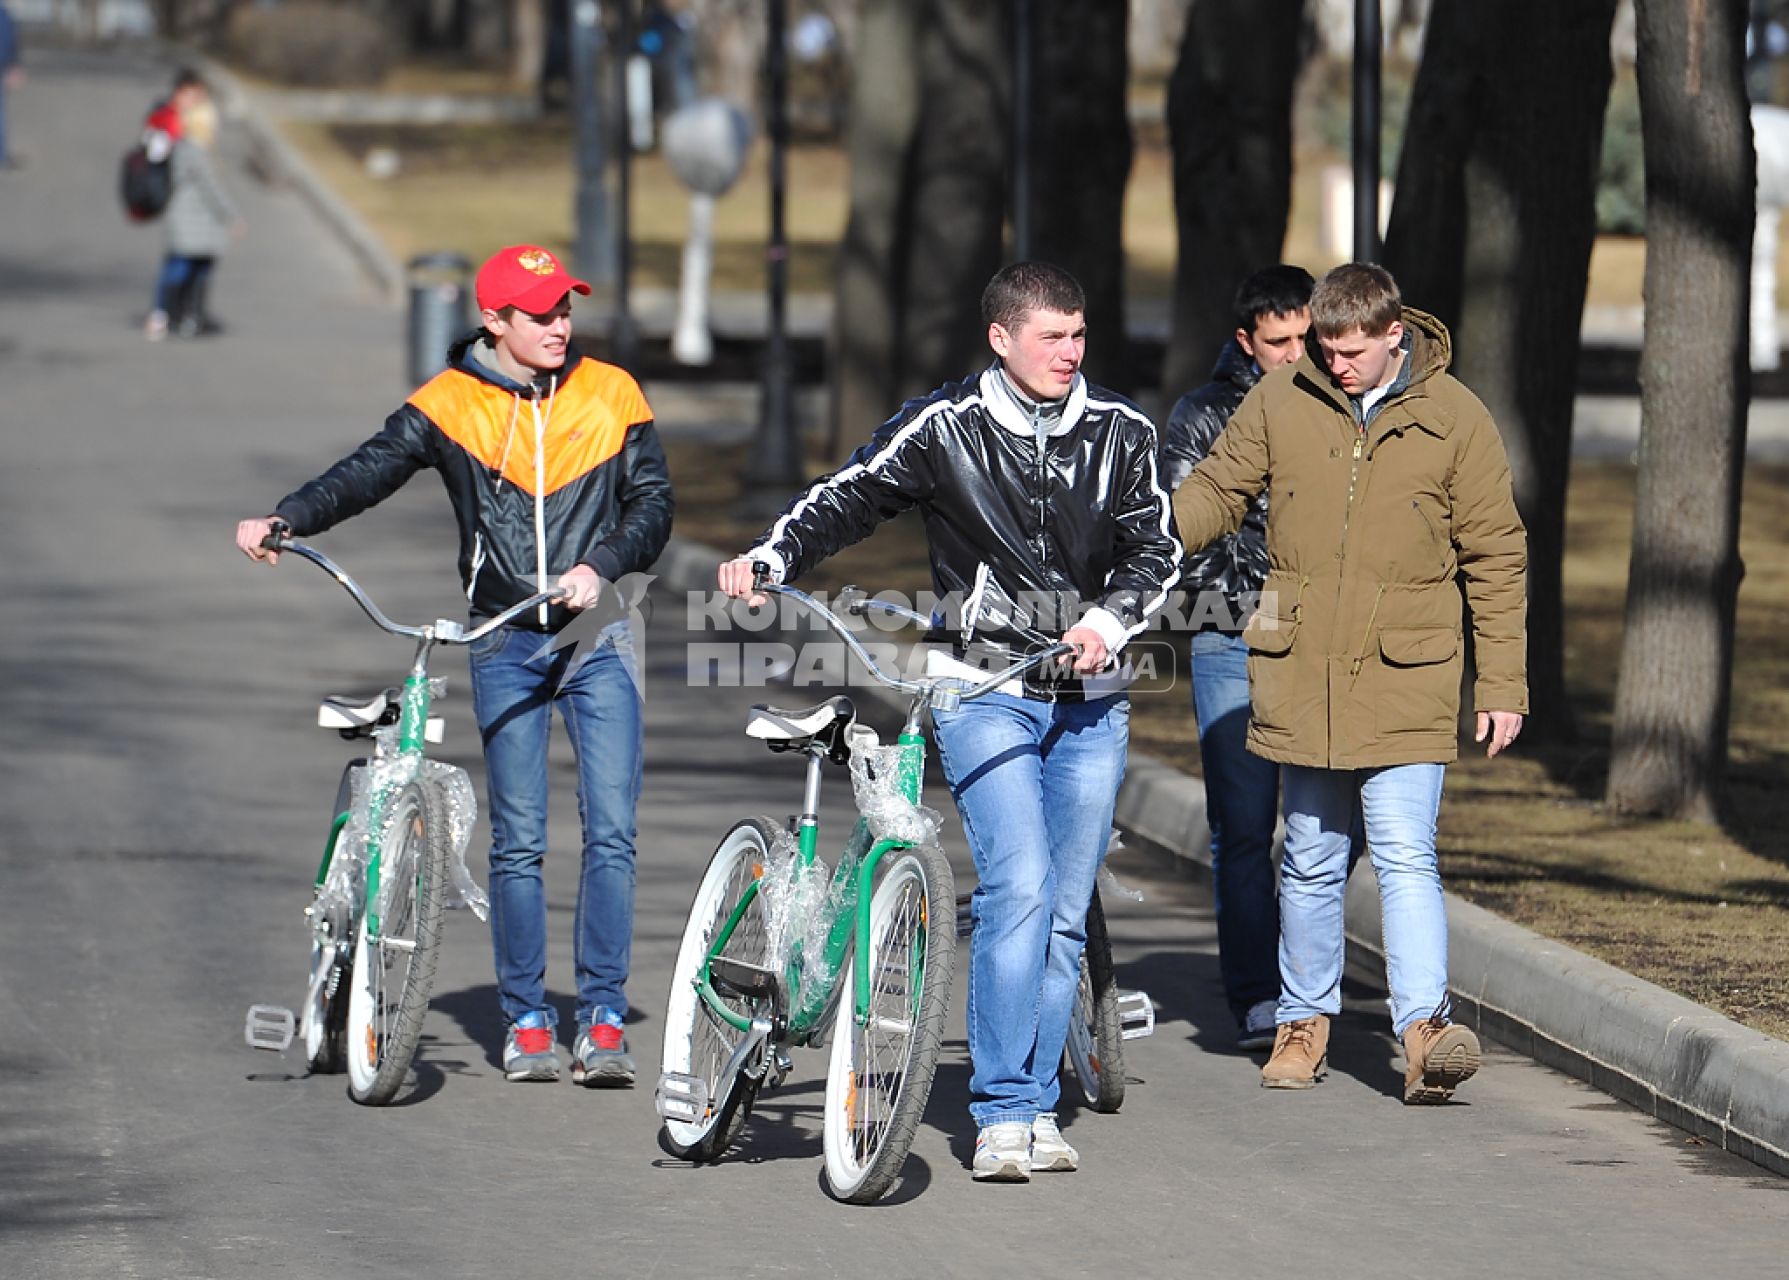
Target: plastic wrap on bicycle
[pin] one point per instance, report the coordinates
(790, 893)
(875, 781)
(392, 769)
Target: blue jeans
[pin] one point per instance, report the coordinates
(1242, 793)
(514, 689)
(1399, 804)
(1035, 783)
(178, 275)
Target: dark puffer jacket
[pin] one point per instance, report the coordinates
(1236, 564)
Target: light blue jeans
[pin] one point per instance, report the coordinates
(1399, 804)
(514, 690)
(1035, 783)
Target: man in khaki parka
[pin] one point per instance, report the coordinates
(1388, 485)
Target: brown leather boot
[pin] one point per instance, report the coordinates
(1300, 1054)
(1439, 1057)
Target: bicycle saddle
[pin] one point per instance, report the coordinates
(354, 718)
(791, 730)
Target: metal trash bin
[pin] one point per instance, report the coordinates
(440, 311)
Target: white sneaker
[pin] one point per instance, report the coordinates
(1050, 1152)
(1002, 1153)
(155, 326)
(1258, 1027)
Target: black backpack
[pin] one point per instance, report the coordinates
(145, 183)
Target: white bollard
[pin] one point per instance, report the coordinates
(705, 144)
(691, 342)
(1766, 348)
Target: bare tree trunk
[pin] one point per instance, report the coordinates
(1492, 230)
(956, 205)
(1080, 160)
(528, 31)
(1230, 128)
(1674, 691)
(928, 195)
(870, 284)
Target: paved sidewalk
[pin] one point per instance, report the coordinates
(162, 816)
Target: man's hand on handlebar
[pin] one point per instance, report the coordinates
(739, 579)
(251, 536)
(580, 586)
(1091, 654)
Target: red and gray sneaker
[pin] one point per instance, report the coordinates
(528, 1052)
(599, 1059)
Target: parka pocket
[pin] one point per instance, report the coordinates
(1271, 670)
(1419, 681)
(1417, 646)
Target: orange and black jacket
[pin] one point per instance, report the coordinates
(565, 472)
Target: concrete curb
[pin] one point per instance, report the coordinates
(1674, 1059)
(282, 163)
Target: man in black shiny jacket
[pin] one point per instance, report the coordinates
(1241, 790)
(1045, 520)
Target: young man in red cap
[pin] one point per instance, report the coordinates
(557, 479)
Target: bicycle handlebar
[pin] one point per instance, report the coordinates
(443, 631)
(961, 689)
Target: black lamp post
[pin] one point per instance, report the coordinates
(775, 467)
(1366, 130)
(593, 250)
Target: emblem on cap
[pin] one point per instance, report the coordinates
(538, 261)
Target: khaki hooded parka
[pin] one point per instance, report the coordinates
(1355, 652)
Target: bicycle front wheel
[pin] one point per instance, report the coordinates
(324, 1023)
(394, 973)
(698, 1042)
(881, 1072)
(1094, 1050)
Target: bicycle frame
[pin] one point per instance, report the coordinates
(413, 706)
(853, 918)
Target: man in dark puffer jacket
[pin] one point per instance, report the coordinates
(1241, 790)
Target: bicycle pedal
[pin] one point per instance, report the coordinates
(1136, 1015)
(269, 1027)
(965, 917)
(680, 1097)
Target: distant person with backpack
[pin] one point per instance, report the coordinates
(11, 73)
(200, 218)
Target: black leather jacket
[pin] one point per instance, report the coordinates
(564, 472)
(1065, 518)
(1236, 564)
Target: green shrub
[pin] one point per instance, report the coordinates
(321, 45)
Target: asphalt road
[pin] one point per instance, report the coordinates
(164, 800)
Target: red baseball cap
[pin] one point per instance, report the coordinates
(524, 276)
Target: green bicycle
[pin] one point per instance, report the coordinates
(394, 853)
(779, 951)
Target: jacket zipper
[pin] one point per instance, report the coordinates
(478, 563)
(540, 484)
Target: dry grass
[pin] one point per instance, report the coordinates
(1698, 910)
(476, 188)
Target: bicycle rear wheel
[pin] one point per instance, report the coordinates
(392, 977)
(1094, 1050)
(881, 1073)
(698, 1043)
